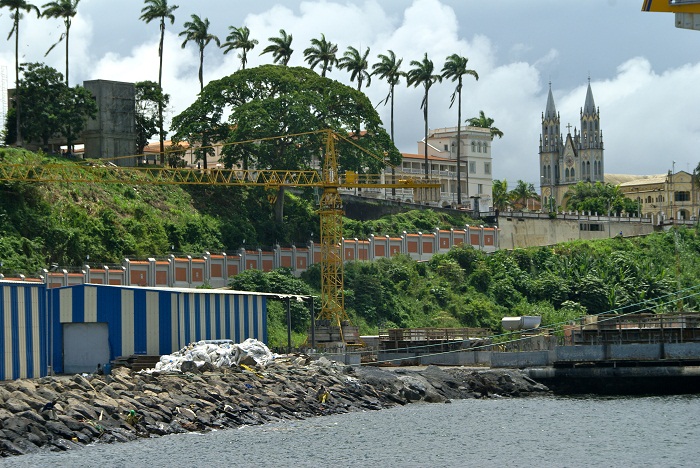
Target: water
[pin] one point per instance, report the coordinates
(546, 431)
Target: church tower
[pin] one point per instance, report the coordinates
(566, 161)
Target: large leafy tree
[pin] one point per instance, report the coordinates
(423, 74)
(51, 107)
(389, 68)
(149, 100)
(240, 39)
(322, 52)
(270, 101)
(65, 9)
(17, 7)
(356, 63)
(455, 68)
(597, 197)
(159, 10)
(485, 122)
(280, 48)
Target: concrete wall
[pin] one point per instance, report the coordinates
(519, 230)
(522, 359)
(111, 134)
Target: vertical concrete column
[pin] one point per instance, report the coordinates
(496, 238)
(436, 241)
(171, 270)
(224, 265)
(276, 256)
(86, 274)
(481, 237)
(242, 254)
(126, 264)
(189, 270)
(207, 267)
(294, 257)
(372, 251)
(151, 275)
(106, 269)
(420, 245)
(387, 250)
(260, 259)
(452, 237)
(404, 243)
(468, 234)
(356, 249)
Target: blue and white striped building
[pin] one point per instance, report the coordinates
(60, 328)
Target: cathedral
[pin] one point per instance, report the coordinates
(564, 161)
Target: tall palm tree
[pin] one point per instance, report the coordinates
(499, 192)
(159, 9)
(17, 7)
(280, 48)
(65, 9)
(357, 65)
(523, 192)
(197, 31)
(389, 69)
(455, 68)
(240, 39)
(422, 74)
(485, 122)
(321, 52)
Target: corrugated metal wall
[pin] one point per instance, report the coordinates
(140, 320)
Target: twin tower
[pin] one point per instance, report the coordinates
(566, 161)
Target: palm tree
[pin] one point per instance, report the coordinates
(357, 65)
(321, 52)
(522, 193)
(197, 31)
(280, 48)
(158, 9)
(485, 122)
(240, 39)
(455, 68)
(499, 192)
(422, 74)
(65, 9)
(17, 7)
(389, 69)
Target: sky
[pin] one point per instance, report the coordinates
(643, 71)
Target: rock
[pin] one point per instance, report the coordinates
(189, 366)
(59, 429)
(17, 406)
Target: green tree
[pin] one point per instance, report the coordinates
(499, 192)
(197, 31)
(65, 9)
(17, 7)
(51, 107)
(455, 68)
(280, 48)
(523, 192)
(270, 101)
(485, 122)
(149, 100)
(357, 65)
(160, 10)
(598, 197)
(389, 68)
(240, 39)
(321, 52)
(422, 74)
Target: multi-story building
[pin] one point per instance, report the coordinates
(475, 166)
(671, 196)
(566, 161)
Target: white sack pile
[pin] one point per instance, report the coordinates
(218, 354)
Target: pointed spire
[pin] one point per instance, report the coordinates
(589, 107)
(551, 112)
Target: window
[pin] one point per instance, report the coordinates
(446, 147)
(472, 167)
(487, 168)
(480, 189)
(681, 196)
(473, 147)
(486, 147)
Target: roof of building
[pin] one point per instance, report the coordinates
(551, 112)
(631, 179)
(155, 146)
(422, 157)
(589, 107)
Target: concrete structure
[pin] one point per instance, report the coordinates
(72, 329)
(566, 161)
(671, 197)
(112, 133)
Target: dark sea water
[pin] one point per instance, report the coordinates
(533, 432)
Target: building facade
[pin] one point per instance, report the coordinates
(565, 161)
(670, 197)
(475, 166)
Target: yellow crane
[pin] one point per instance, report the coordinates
(686, 12)
(330, 205)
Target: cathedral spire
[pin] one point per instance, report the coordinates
(551, 111)
(589, 107)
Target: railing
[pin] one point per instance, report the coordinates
(432, 334)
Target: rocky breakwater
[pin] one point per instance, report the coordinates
(61, 413)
